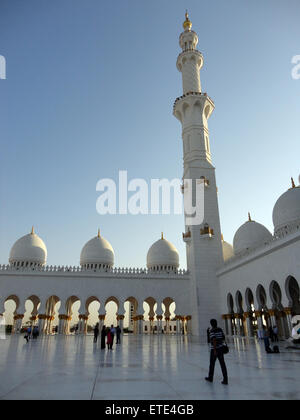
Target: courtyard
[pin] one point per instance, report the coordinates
(143, 367)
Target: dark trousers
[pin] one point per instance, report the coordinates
(213, 358)
(118, 339)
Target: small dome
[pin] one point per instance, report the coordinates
(286, 212)
(162, 255)
(249, 236)
(28, 250)
(97, 251)
(228, 251)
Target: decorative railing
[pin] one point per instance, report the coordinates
(191, 94)
(81, 270)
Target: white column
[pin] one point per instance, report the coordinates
(238, 324)
(289, 319)
(101, 321)
(177, 326)
(140, 324)
(61, 324)
(249, 324)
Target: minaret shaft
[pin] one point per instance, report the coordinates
(203, 240)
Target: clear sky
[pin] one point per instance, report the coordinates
(89, 91)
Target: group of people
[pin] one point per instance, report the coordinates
(270, 334)
(34, 333)
(107, 336)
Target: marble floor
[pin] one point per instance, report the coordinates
(142, 368)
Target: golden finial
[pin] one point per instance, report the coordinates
(162, 235)
(32, 230)
(222, 237)
(187, 24)
(293, 183)
(249, 217)
(98, 233)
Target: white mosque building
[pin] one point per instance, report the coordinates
(253, 283)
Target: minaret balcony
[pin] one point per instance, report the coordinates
(189, 99)
(187, 236)
(206, 232)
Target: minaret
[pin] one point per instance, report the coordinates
(203, 241)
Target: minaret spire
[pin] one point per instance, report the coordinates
(187, 24)
(293, 183)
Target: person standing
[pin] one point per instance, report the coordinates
(35, 332)
(118, 332)
(266, 339)
(96, 333)
(275, 333)
(109, 339)
(103, 335)
(113, 333)
(217, 338)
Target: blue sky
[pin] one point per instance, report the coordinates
(89, 91)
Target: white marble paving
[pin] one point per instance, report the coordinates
(142, 368)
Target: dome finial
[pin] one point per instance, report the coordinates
(187, 24)
(249, 217)
(222, 237)
(32, 230)
(98, 233)
(293, 183)
(162, 235)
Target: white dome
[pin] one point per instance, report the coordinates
(162, 253)
(228, 251)
(97, 251)
(250, 235)
(28, 249)
(286, 211)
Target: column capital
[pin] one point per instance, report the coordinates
(271, 312)
(287, 311)
(120, 317)
(246, 315)
(159, 317)
(258, 314)
(18, 316)
(42, 316)
(101, 317)
(84, 317)
(188, 318)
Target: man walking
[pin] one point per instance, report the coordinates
(217, 338)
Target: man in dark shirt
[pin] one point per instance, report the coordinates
(217, 338)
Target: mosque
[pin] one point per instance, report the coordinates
(253, 283)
